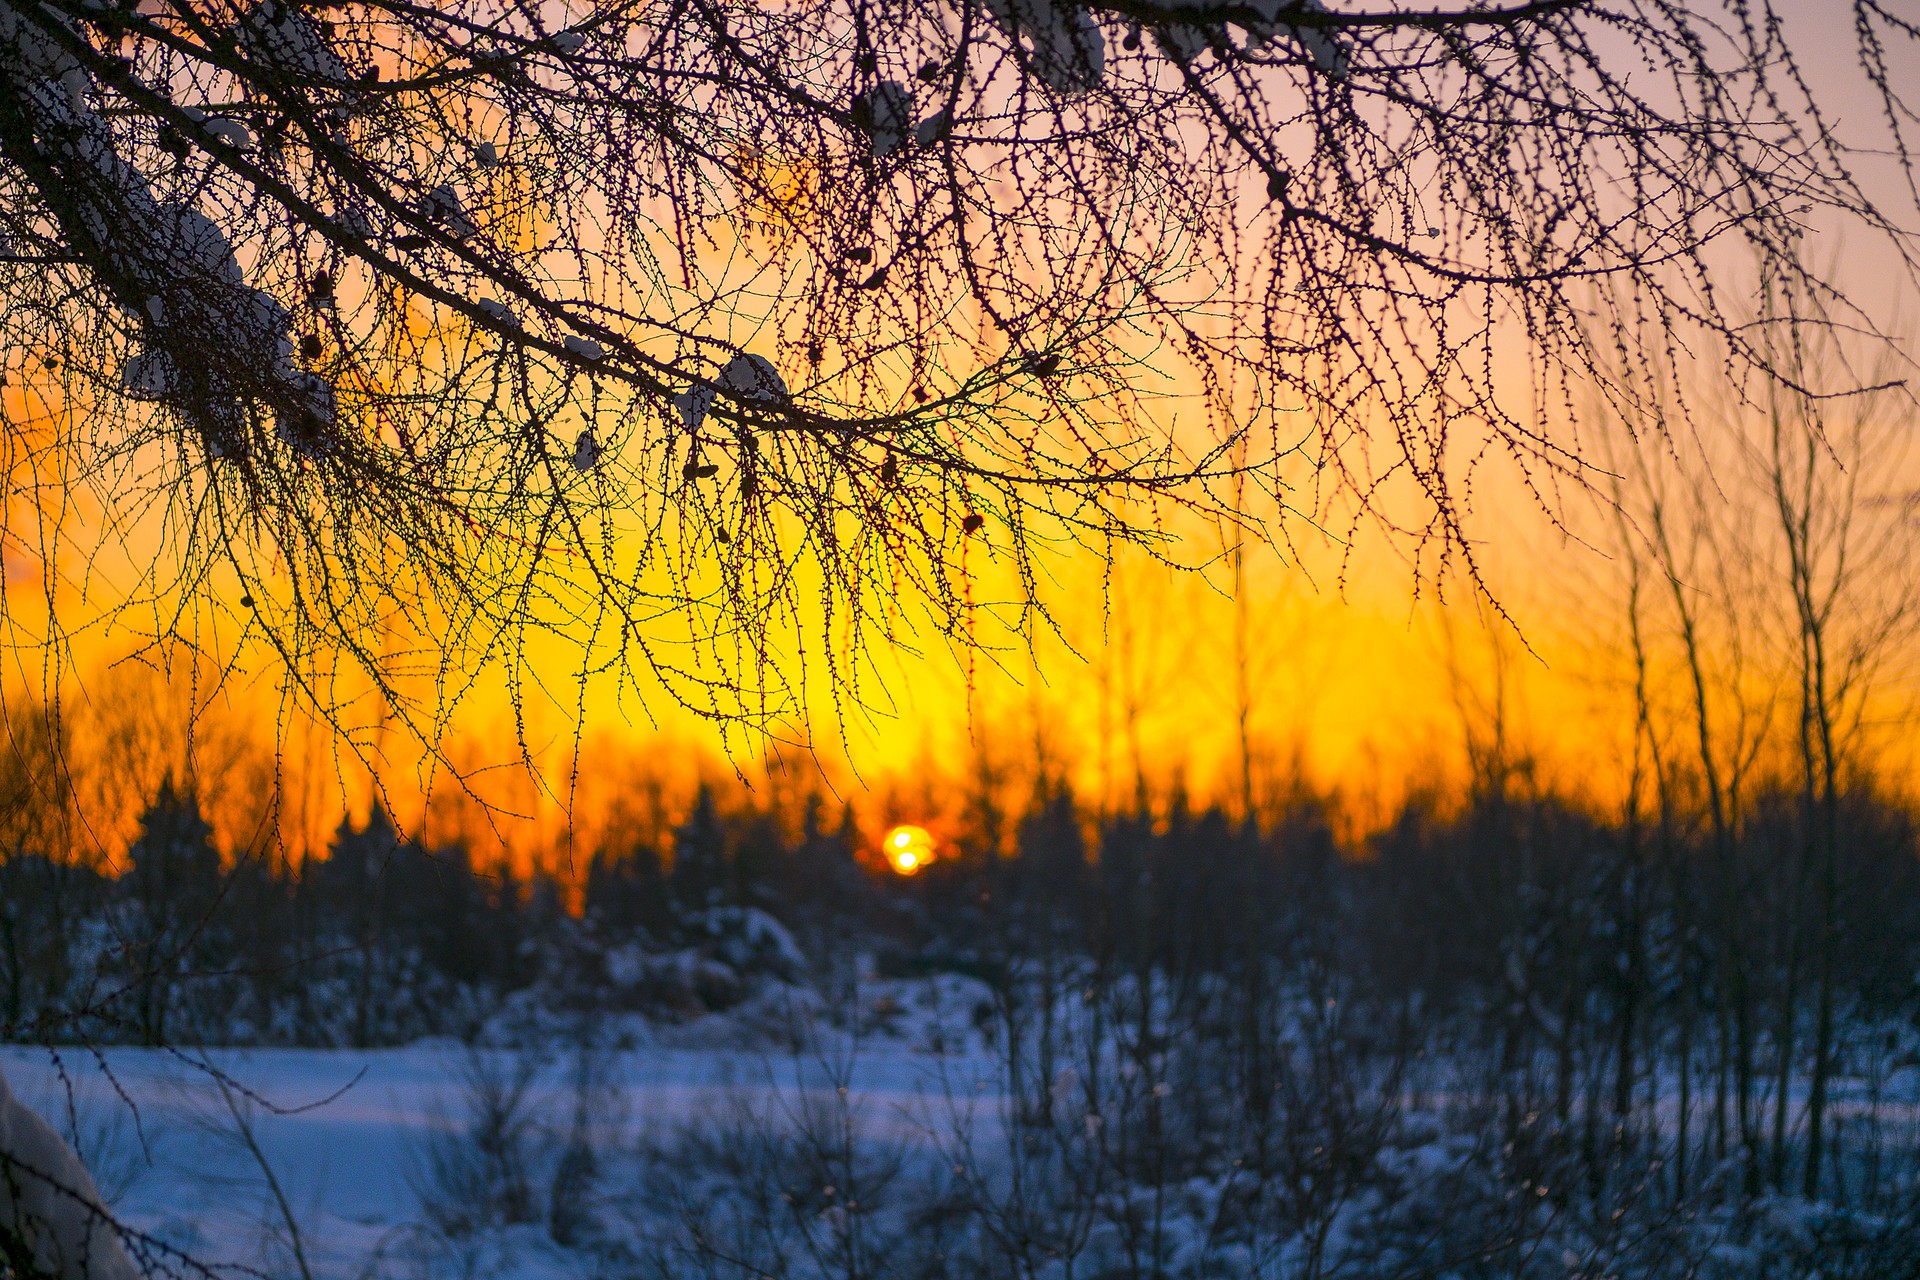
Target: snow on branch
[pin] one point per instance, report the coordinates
(209, 346)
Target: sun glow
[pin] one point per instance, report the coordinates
(908, 849)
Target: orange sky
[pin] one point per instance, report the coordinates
(1350, 679)
(1365, 691)
(1353, 682)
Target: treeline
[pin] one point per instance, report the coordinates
(1505, 1037)
(1696, 993)
(1711, 986)
(384, 940)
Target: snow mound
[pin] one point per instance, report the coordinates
(48, 1201)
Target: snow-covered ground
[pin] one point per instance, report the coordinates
(347, 1135)
(876, 1138)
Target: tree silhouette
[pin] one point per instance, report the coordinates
(175, 879)
(626, 893)
(673, 326)
(701, 876)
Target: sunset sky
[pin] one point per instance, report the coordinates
(1361, 679)
(1363, 664)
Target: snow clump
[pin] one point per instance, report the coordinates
(284, 38)
(885, 116)
(586, 451)
(1063, 45)
(750, 379)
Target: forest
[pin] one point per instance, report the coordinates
(1638, 1038)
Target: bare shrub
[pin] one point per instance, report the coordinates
(476, 1166)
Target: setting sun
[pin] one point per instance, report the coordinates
(908, 848)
